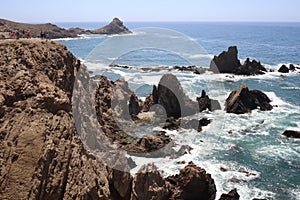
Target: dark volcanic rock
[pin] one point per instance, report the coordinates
(292, 67)
(134, 105)
(171, 96)
(176, 103)
(283, 69)
(291, 134)
(250, 68)
(226, 62)
(204, 102)
(114, 27)
(232, 195)
(244, 100)
(192, 183)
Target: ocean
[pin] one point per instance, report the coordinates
(259, 162)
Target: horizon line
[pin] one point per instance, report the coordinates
(155, 21)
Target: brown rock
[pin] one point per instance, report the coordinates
(192, 183)
(244, 100)
(226, 62)
(148, 184)
(46, 160)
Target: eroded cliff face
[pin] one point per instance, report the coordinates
(41, 156)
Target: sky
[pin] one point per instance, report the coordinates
(151, 10)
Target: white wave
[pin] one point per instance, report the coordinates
(295, 193)
(201, 56)
(290, 88)
(284, 152)
(133, 33)
(95, 66)
(81, 37)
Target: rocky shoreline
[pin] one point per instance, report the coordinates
(43, 157)
(52, 31)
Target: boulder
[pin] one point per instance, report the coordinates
(226, 62)
(283, 69)
(232, 195)
(291, 134)
(244, 100)
(192, 183)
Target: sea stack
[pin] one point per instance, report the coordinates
(228, 62)
(114, 27)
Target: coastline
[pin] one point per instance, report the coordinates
(33, 40)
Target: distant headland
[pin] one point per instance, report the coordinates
(10, 29)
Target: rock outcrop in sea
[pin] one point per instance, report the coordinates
(228, 62)
(284, 69)
(169, 94)
(114, 27)
(244, 100)
(291, 134)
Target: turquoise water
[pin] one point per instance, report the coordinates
(260, 163)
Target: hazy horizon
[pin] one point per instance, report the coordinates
(34, 11)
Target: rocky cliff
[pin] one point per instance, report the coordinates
(41, 155)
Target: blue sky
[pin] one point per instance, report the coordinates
(150, 10)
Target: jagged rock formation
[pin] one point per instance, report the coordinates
(244, 100)
(192, 183)
(176, 103)
(114, 27)
(228, 62)
(250, 68)
(41, 155)
(116, 106)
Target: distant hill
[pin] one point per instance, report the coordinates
(53, 31)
